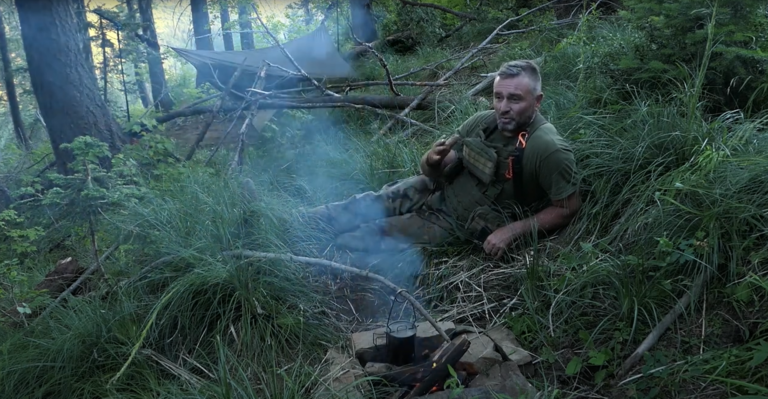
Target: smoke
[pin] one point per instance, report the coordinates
(330, 165)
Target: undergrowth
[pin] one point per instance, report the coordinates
(670, 192)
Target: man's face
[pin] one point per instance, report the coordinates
(514, 103)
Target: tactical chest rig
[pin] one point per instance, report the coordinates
(487, 169)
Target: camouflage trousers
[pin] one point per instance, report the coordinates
(402, 215)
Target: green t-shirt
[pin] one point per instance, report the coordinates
(549, 167)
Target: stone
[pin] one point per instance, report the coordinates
(503, 380)
(374, 369)
(370, 346)
(481, 355)
(508, 346)
(343, 371)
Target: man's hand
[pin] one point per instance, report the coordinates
(500, 240)
(440, 150)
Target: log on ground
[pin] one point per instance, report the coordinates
(375, 101)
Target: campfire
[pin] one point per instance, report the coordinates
(429, 358)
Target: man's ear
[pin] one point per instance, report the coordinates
(539, 97)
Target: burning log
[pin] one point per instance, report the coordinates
(448, 355)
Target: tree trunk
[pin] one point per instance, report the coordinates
(246, 28)
(201, 25)
(154, 62)
(308, 17)
(363, 24)
(63, 80)
(82, 21)
(141, 86)
(10, 89)
(229, 44)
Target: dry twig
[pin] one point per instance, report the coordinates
(381, 61)
(441, 8)
(360, 106)
(207, 125)
(238, 161)
(657, 331)
(285, 52)
(348, 269)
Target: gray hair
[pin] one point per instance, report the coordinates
(516, 68)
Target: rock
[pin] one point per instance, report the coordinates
(462, 329)
(374, 369)
(502, 373)
(481, 355)
(507, 345)
(343, 371)
(370, 346)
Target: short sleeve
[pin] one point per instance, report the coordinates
(558, 173)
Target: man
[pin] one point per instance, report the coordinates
(478, 185)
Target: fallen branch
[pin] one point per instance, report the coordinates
(285, 52)
(238, 161)
(80, 280)
(381, 61)
(357, 85)
(348, 269)
(375, 101)
(369, 108)
(214, 111)
(532, 28)
(656, 333)
(466, 58)
(441, 8)
(453, 31)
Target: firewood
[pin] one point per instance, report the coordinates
(448, 354)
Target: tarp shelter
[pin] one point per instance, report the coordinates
(315, 53)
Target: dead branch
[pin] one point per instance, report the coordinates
(80, 280)
(453, 31)
(282, 49)
(429, 66)
(486, 83)
(532, 28)
(357, 85)
(441, 8)
(656, 333)
(238, 161)
(381, 61)
(348, 269)
(369, 108)
(375, 101)
(207, 125)
(459, 65)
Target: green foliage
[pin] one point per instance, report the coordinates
(676, 40)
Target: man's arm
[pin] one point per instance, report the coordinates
(551, 218)
(555, 216)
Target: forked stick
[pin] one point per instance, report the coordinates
(348, 269)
